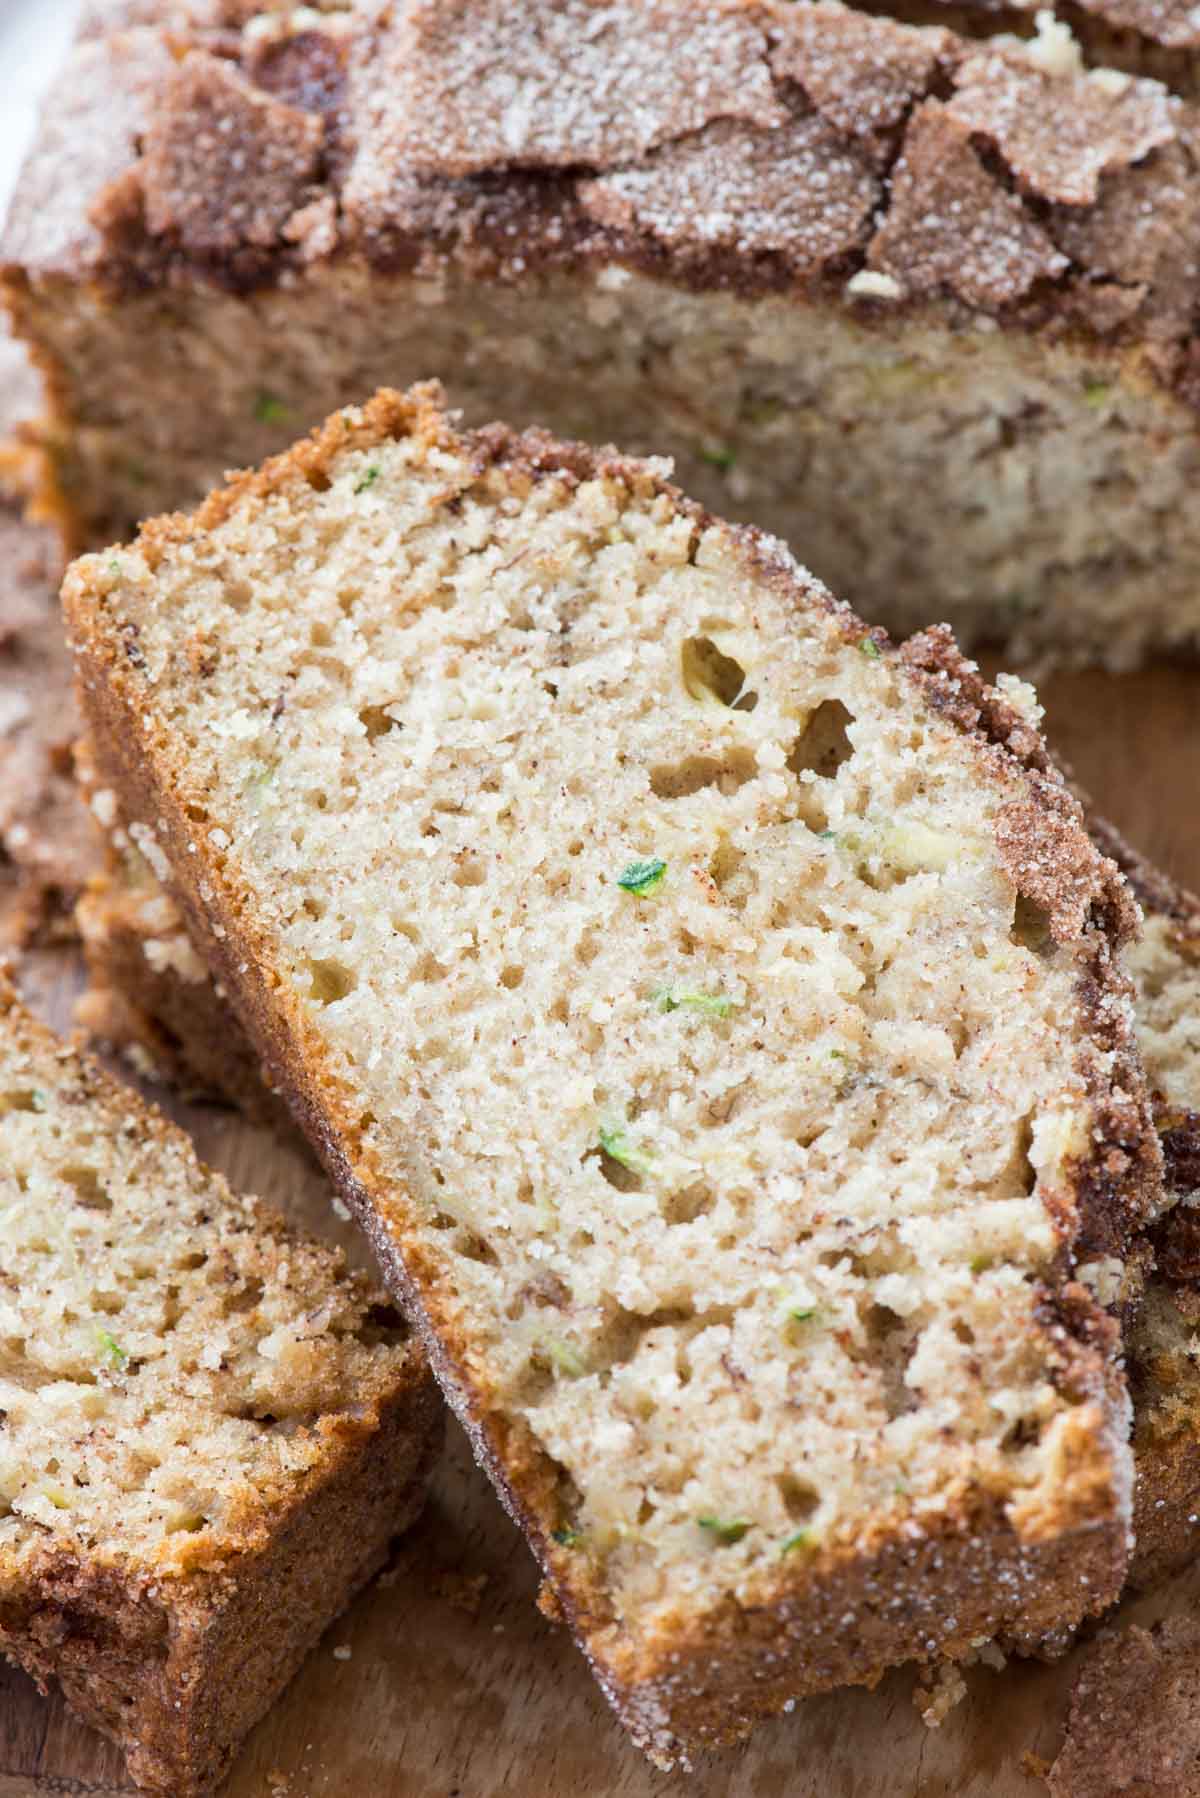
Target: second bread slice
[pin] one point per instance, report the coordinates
(709, 1012)
(209, 1429)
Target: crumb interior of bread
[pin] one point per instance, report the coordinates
(929, 471)
(170, 1356)
(1166, 975)
(659, 933)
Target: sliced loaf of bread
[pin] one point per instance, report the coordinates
(825, 260)
(209, 1428)
(709, 1011)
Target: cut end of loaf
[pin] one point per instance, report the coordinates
(710, 1010)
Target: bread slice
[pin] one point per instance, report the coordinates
(709, 1012)
(825, 261)
(209, 1429)
(1165, 1381)
(152, 995)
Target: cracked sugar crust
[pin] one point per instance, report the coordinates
(743, 1111)
(461, 86)
(593, 134)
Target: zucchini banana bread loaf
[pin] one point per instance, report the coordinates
(209, 1429)
(833, 264)
(709, 1012)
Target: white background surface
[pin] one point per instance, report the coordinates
(33, 38)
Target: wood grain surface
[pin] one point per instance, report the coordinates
(455, 1686)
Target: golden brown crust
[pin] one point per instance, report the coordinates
(978, 1569)
(178, 1676)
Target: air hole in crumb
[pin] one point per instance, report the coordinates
(376, 722)
(27, 1100)
(382, 1322)
(680, 780)
(330, 981)
(88, 1188)
(533, 1382)
(614, 1171)
(626, 1333)
(512, 976)
(725, 865)
(545, 1292)
(1019, 1174)
(469, 871)
(575, 847)
(963, 1331)
(238, 594)
(823, 744)
(800, 1499)
(1031, 925)
(476, 1248)
(320, 636)
(197, 814)
(588, 947)
(646, 1511)
(1025, 1433)
(429, 969)
(248, 1299)
(710, 674)
(890, 1347)
(559, 1010)
(685, 1207)
(402, 927)
(315, 908)
(318, 481)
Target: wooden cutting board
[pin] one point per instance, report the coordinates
(455, 1686)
